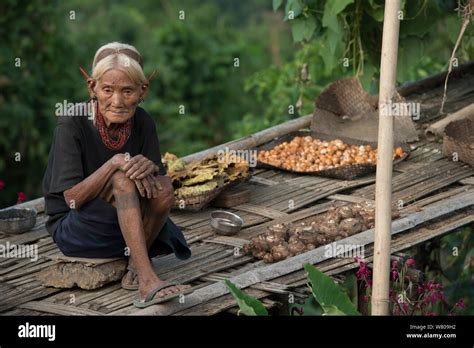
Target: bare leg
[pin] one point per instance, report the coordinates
(155, 211)
(129, 214)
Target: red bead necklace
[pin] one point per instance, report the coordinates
(121, 134)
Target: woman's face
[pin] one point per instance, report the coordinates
(118, 96)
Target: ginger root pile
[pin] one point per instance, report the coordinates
(286, 240)
(306, 154)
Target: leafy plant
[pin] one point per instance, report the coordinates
(328, 298)
(247, 304)
(328, 294)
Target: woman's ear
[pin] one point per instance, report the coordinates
(144, 91)
(91, 84)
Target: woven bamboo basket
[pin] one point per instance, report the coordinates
(197, 202)
(459, 140)
(345, 172)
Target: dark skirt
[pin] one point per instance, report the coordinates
(93, 231)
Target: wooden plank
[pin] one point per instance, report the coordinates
(221, 265)
(43, 245)
(412, 193)
(409, 178)
(169, 262)
(262, 181)
(58, 309)
(25, 312)
(20, 273)
(30, 295)
(83, 296)
(467, 181)
(411, 186)
(225, 240)
(306, 199)
(263, 211)
(435, 198)
(263, 196)
(26, 237)
(349, 198)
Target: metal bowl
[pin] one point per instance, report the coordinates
(17, 220)
(226, 223)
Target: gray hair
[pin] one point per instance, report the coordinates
(120, 56)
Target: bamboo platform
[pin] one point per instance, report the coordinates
(437, 195)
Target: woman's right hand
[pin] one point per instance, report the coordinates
(120, 160)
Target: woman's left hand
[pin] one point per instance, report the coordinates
(138, 167)
(148, 187)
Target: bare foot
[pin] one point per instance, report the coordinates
(130, 278)
(167, 291)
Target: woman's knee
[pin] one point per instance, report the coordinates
(165, 199)
(121, 183)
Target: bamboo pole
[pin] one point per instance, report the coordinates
(436, 130)
(383, 183)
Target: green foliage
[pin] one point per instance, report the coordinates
(36, 65)
(328, 297)
(308, 308)
(342, 38)
(328, 294)
(247, 304)
(451, 262)
(352, 29)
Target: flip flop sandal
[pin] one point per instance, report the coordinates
(149, 299)
(129, 286)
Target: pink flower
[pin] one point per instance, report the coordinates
(460, 304)
(363, 273)
(2, 185)
(394, 275)
(410, 262)
(21, 197)
(441, 295)
(394, 264)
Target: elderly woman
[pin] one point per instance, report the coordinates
(105, 187)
